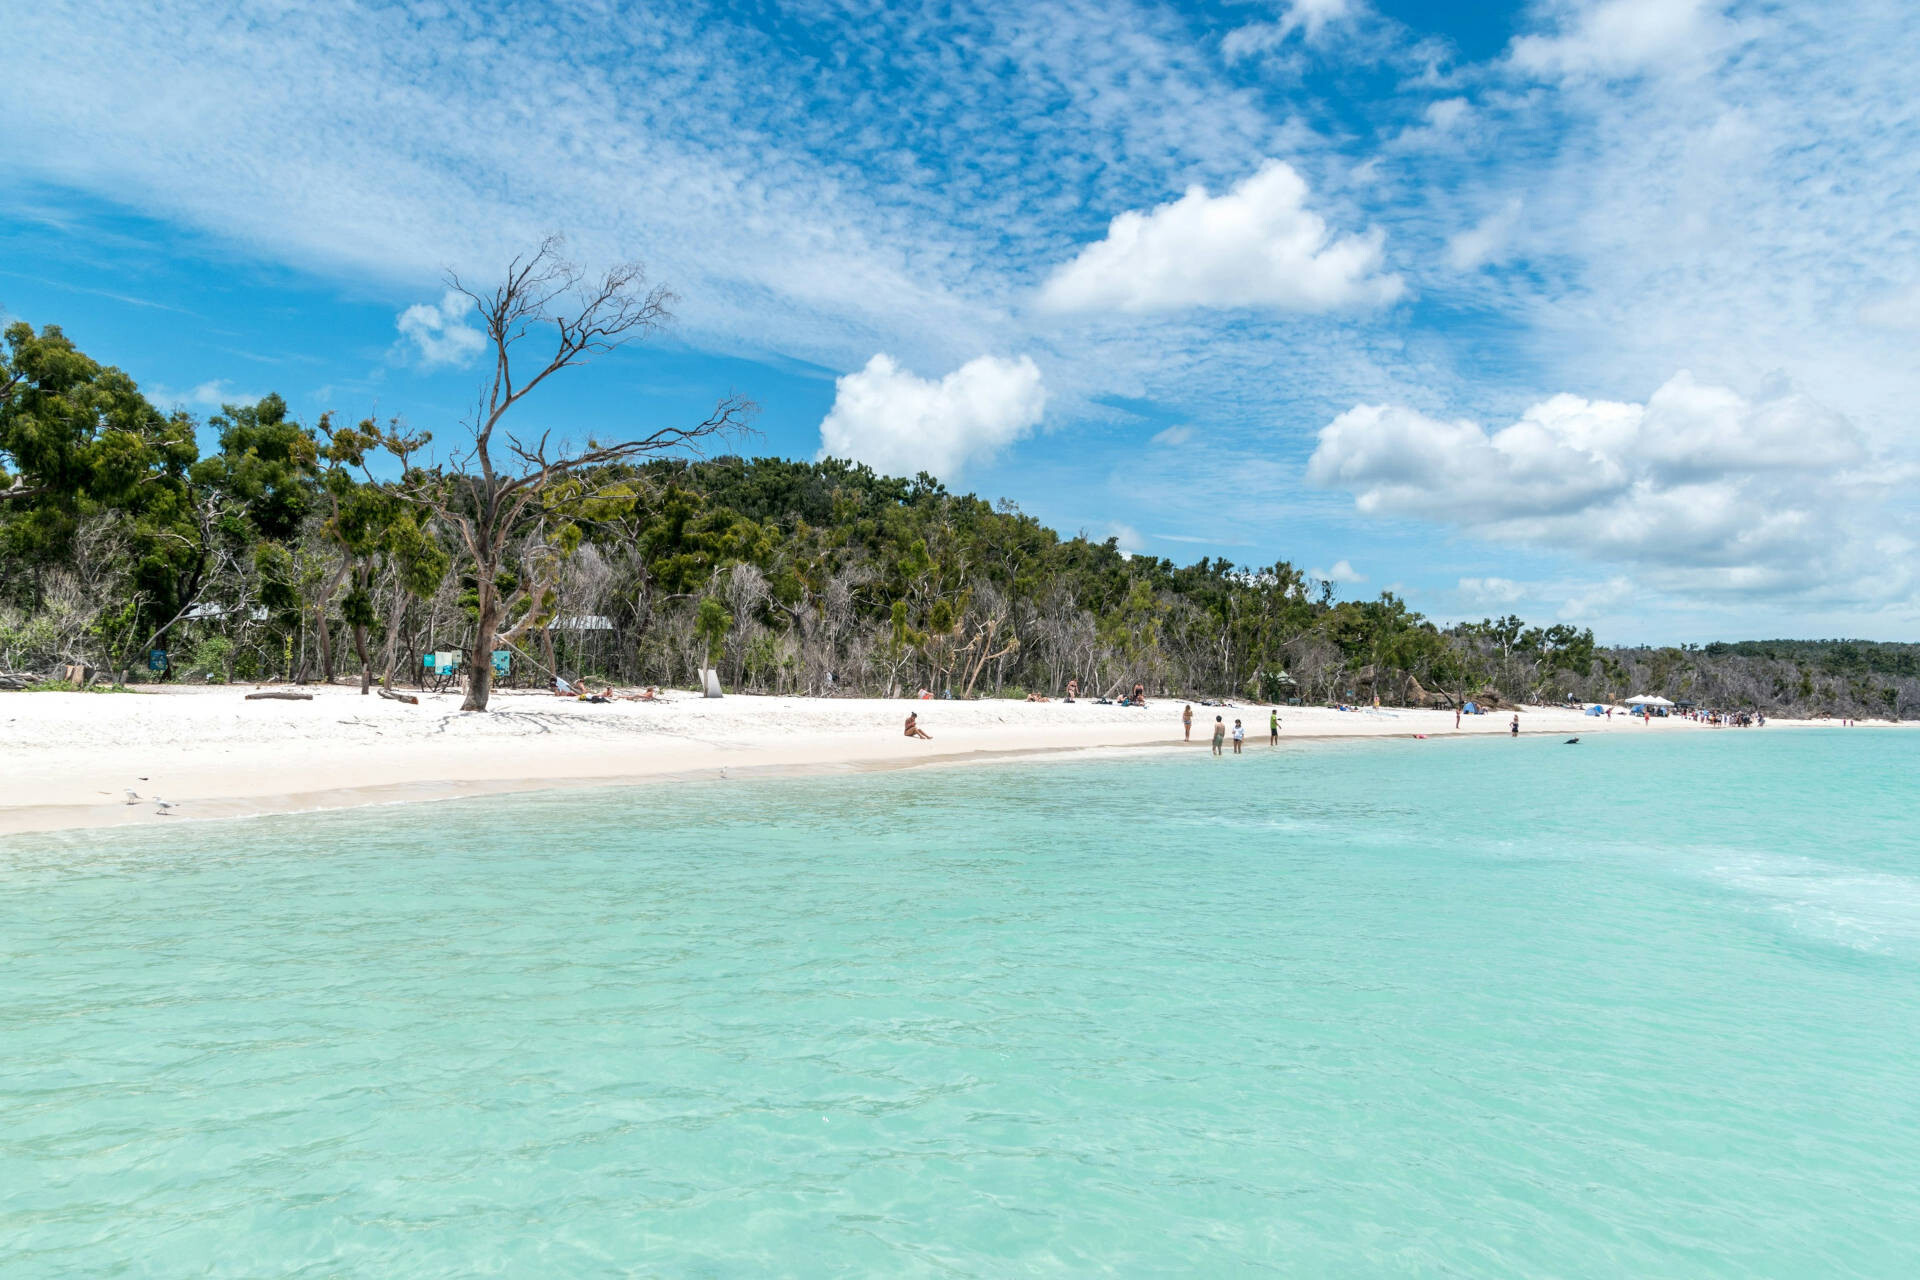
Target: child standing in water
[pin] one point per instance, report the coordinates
(1239, 736)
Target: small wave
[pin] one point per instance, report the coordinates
(1864, 910)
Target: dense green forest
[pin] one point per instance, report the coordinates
(291, 551)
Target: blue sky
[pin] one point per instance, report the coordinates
(1594, 310)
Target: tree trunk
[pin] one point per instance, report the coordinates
(324, 636)
(366, 665)
(480, 672)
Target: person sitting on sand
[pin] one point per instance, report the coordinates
(561, 689)
(1038, 697)
(913, 727)
(1139, 698)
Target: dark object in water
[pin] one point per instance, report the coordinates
(1569, 742)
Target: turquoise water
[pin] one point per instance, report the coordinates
(1631, 1008)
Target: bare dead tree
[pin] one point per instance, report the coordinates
(505, 487)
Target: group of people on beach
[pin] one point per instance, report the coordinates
(583, 692)
(1238, 733)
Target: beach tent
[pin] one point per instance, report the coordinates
(1471, 709)
(1649, 700)
(1596, 710)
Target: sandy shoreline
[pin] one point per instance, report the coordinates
(71, 758)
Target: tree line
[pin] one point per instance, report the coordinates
(316, 551)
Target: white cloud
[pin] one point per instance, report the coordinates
(1597, 600)
(1128, 538)
(1312, 19)
(1446, 123)
(1614, 38)
(900, 423)
(1342, 571)
(1256, 246)
(439, 332)
(211, 396)
(1487, 242)
(1702, 489)
(1492, 590)
(1897, 310)
(1172, 436)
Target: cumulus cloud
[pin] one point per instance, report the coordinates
(1492, 590)
(1342, 571)
(900, 423)
(1610, 39)
(1256, 246)
(1700, 487)
(1310, 18)
(439, 333)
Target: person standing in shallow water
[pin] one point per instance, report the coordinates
(1219, 733)
(1186, 721)
(1239, 736)
(1273, 727)
(1514, 730)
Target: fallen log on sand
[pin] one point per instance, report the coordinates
(407, 698)
(282, 695)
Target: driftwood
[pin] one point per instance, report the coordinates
(407, 698)
(281, 695)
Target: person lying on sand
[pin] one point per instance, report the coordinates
(561, 689)
(913, 727)
(1038, 697)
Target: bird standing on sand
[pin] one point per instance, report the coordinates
(163, 807)
(133, 797)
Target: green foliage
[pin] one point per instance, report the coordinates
(711, 625)
(112, 525)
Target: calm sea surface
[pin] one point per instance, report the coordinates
(1628, 1008)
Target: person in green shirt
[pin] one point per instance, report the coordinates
(1273, 727)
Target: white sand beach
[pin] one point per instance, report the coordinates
(73, 758)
